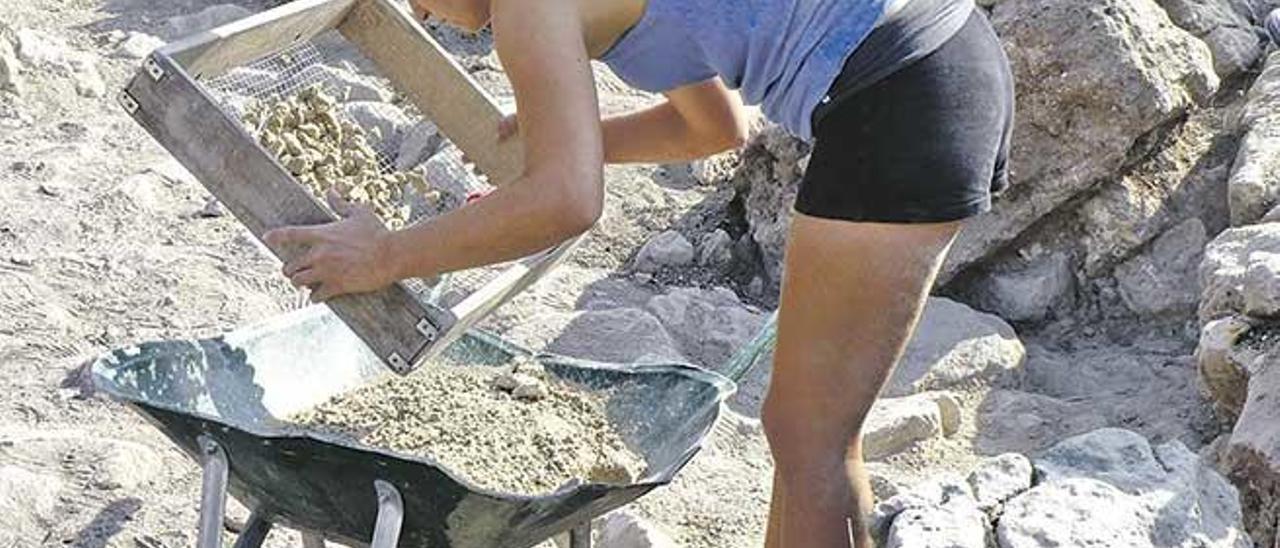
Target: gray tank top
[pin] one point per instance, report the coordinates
(783, 55)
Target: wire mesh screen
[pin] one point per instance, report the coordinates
(401, 138)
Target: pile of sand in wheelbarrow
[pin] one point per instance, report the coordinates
(513, 429)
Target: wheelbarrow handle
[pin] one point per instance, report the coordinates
(742, 362)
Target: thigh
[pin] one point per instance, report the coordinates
(851, 297)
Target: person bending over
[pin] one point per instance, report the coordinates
(909, 105)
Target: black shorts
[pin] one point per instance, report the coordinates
(928, 143)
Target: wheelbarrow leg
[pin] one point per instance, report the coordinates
(312, 540)
(386, 531)
(255, 532)
(213, 493)
(580, 536)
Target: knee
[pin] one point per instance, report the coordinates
(804, 438)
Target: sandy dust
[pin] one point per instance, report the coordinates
(513, 431)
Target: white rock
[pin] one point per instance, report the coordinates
(954, 345)
(40, 49)
(895, 424)
(938, 492)
(138, 45)
(530, 390)
(1074, 513)
(1262, 285)
(124, 464)
(446, 172)
(997, 479)
(1253, 189)
(618, 335)
(710, 325)
(1254, 185)
(949, 410)
(622, 529)
(208, 18)
(89, 82)
(1031, 293)
(959, 524)
(1227, 261)
(716, 250)
(1111, 486)
(1120, 458)
(350, 85)
(1229, 35)
(1162, 280)
(386, 119)
(28, 501)
(420, 143)
(669, 248)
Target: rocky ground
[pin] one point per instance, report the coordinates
(1095, 370)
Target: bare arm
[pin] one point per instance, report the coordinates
(559, 195)
(695, 121)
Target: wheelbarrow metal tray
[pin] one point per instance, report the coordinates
(235, 390)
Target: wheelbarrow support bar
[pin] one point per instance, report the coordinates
(213, 493)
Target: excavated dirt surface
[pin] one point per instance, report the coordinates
(463, 418)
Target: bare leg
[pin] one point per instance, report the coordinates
(852, 295)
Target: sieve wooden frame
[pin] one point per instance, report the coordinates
(167, 99)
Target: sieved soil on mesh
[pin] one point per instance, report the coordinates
(478, 423)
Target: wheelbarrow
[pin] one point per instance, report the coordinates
(222, 400)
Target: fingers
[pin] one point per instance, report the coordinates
(310, 277)
(293, 235)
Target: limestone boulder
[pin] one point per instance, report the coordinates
(1093, 77)
(384, 123)
(666, 249)
(709, 325)
(955, 345)
(350, 85)
(998, 479)
(1112, 487)
(1027, 292)
(1254, 186)
(941, 512)
(1238, 366)
(769, 171)
(1228, 33)
(1161, 281)
(895, 424)
(617, 335)
(1239, 267)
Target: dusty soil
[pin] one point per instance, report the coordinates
(467, 419)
